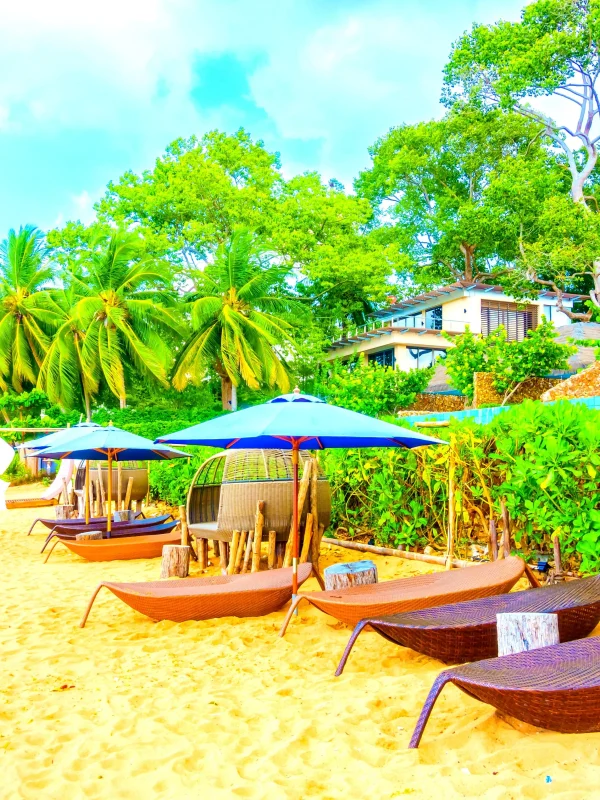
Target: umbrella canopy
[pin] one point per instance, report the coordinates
(298, 422)
(111, 444)
(60, 438)
(101, 444)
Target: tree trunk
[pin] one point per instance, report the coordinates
(343, 576)
(228, 394)
(520, 631)
(468, 251)
(88, 407)
(122, 402)
(175, 561)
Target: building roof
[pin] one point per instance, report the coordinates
(580, 331)
(364, 334)
(405, 305)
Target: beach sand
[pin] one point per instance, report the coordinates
(130, 708)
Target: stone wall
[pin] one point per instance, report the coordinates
(439, 402)
(583, 384)
(486, 395)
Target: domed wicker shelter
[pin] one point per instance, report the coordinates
(228, 486)
(137, 470)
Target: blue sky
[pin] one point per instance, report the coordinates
(91, 89)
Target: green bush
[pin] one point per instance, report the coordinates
(544, 461)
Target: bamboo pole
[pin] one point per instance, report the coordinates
(451, 503)
(302, 492)
(388, 551)
(258, 532)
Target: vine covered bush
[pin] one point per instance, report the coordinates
(543, 461)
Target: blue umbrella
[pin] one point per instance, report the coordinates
(297, 422)
(112, 444)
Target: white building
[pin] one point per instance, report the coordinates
(408, 333)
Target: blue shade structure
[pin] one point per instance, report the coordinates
(297, 422)
(111, 444)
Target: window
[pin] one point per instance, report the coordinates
(548, 312)
(384, 358)
(426, 356)
(516, 321)
(433, 318)
(414, 321)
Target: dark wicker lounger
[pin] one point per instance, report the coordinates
(51, 523)
(466, 631)
(556, 687)
(124, 528)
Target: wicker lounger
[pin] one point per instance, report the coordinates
(126, 547)
(421, 591)
(249, 595)
(52, 523)
(464, 632)
(556, 687)
(125, 528)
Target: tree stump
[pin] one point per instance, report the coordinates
(175, 561)
(343, 576)
(84, 537)
(518, 632)
(64, 511)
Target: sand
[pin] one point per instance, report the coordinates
(130, 708)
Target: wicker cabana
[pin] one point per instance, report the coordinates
(227, 487)
(138, 470)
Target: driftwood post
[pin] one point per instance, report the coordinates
(271, 553)
(520, 631)
(248, 552)
(119, 486)
(279, 554)
(99, 503)
(315, 546)
(202, 553)
(558, 572)
(223, 557)
(63, 511)
(308, 534)
(184, 528)
(241, 551)
(175, 561)
(65, 493)
(258, 532)
(343, 576)
(101, 489)
(302, 492)
(493, 540)
(451, 504)
(235, 540)
(505, 531)
(128, 493)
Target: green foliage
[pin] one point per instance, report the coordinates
(370, 388)
(543, 460)
(512, 363)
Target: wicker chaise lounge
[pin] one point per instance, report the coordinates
(464, 632)
(125, 528)
(123, 548)
(421, 591)
(556, 687)
(247, 595)
(52, 523)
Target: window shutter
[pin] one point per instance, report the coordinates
(517, 321)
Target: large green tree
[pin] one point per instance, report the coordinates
(552, 52)
(24, 325)
(243, 320)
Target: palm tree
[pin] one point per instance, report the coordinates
(24, 325)
(129, 319)
(241, 318)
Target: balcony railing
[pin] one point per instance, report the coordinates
(385, 327)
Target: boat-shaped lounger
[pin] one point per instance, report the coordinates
(464, 632)
(420, 591)
(52, 523)
(251, 594)
(555, 687)
(125, 528)
(125, 547)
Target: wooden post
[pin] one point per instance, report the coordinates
(87, 493)
(128, 493)
(175, 561)
(99, 503)
(65, 493)
(119, 486)
(343, 576)
(63, 511)
(241, 550)
(315, 545)
(302, 492)
(235, 540)
(271, 553)
(223, 557)
(258, 532)
(84, 537)
(185, 535)
(505, 531)
(520, 631)
(248, 552)
(558, 571)
(493, 540)
(202, 553)
(101, 489)
(308, 532)
(451, 503)
(280, 554)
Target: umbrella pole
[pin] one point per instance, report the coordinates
(109, 496)
(295, 448)
(87, 492)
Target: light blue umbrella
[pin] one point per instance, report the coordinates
(297, 422)
(112, 444)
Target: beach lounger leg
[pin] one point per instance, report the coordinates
(293, 607)
(357, 630)
(89, 605)
(34, 523)
(47, 542)
(442, 679)
(51, 549)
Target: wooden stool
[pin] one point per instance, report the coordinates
(356, 573)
